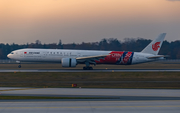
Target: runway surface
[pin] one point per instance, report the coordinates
(95, 70)
(91, 107)
(120, 100)
(91, 92)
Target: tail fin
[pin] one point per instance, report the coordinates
(155, 45)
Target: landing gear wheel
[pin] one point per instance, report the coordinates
(87, 68)
(19, 66)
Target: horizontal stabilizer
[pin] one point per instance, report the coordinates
(159, 56)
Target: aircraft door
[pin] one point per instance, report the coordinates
(21, 54)
(45, 54)
(79, 55)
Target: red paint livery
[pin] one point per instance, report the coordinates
(156, 46)
(117, 57)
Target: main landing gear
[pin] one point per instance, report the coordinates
(87, 67)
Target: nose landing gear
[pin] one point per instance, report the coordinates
(19, 66)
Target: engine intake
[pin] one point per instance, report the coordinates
(69, 62)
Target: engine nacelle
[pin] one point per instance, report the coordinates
(69, 62)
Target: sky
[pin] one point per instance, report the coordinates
(77, 21)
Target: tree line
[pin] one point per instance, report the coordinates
(112, 44)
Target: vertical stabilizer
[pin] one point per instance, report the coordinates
(155, 45)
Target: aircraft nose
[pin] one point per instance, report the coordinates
(9, 56)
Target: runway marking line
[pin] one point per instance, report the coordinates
(18, 89)
(72, 107)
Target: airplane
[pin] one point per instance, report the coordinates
(71, 58)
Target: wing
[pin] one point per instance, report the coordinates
(90, 59)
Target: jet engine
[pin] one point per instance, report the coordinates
(69, 62)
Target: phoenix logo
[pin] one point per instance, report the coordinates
(156, 46)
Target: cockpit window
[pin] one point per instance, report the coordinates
(12, 52)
